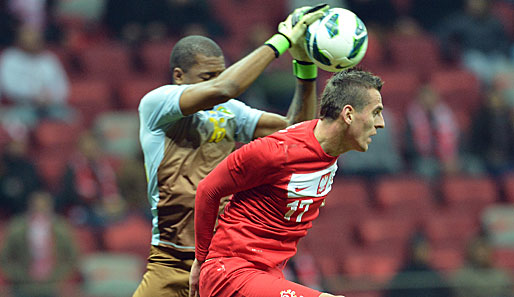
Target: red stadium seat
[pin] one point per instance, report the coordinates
(156, 58)
(348, 199)
(408, 197)
(59, 136)
(453, 228)
(508, 187)
(132, 90)
(383, 231)
(400, 88)
(460, 89)
(108, 61)
(131, 235)
(374, 58)
(90, 98)
(85, 239)
(51, 166)
(4, 138)
(327, 265)
(466, 193)
(362, 264)
(503, 257)
(66, 58)
(446, 258)
(229, 14)
(419, 53)
(328, 236)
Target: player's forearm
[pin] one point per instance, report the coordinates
(303, 107)
(238, 77)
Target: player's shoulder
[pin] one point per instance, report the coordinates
(296, 132)
(265, 148)
(162, 91)
(233, 106)
(159, 94)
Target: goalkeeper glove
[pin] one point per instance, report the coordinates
(292, 35)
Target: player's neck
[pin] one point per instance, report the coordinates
(329, 134)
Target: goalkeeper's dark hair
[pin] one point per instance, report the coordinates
(348, 87)
(185, 50)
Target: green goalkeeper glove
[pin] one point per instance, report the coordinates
(292, 35)
(303, 17)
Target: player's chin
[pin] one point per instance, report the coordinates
(363, 147)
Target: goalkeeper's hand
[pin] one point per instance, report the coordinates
(291, 34)
(295, 26)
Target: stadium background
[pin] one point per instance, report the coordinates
(115, 51)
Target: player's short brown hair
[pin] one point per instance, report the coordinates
(185, 50)
(347, 87)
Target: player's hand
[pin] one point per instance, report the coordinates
(296, 24)
(194, 279)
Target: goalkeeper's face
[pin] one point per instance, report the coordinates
(206, 68)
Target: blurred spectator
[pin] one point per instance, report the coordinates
(135, 21)
(33, 81)
(192, 17)
(38, 252)
(132, 183)
(476, 37)
(429, 13)
(379, 14)
(417, 277)
(31, 13)
(492, 133)
(383, 157)
(8, 25)
(38, 15)
(18, 177)
(478, 278)
(90, 191)
(432, 135)
(87, 11)
(498, 223)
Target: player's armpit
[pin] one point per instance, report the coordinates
(269, 123)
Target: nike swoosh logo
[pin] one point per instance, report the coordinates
(300, 189)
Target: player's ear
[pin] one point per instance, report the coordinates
(178, 75)
(347, 114)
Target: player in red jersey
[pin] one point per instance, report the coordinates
(278, 184)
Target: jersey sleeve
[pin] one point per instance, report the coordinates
(252, 165)
(160, 107)
(246, 119)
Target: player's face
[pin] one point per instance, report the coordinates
(205, 69)
(366, 122)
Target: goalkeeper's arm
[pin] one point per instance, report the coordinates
(238, 77)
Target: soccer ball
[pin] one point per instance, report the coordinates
(337, 41)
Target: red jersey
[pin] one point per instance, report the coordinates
(279, 182)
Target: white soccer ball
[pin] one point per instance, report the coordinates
(337, 41)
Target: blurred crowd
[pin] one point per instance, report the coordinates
(72, 181)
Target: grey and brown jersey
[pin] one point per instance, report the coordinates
(181, 150)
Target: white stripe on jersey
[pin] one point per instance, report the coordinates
(314, 184)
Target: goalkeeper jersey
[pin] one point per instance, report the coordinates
(181, 150)
(279, 182)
